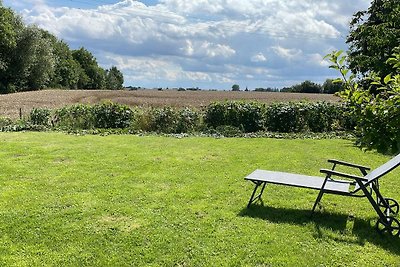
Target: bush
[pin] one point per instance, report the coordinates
(303, 116)
(40, 116)
(248, 116)
(278, 117)
(162, 120)
(285, 117)
(170, 120)
(112, 115)
(77, 116)
(188, 120)
(229, 118)
(5, 123)
(325, 117)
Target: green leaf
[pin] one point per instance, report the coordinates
(338, 53)
(387, 79)
(391, 61)
(342, 60)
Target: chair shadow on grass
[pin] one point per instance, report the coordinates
(339, 227)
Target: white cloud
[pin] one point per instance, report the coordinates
(207, 49)
(258, 58)
(287, 53)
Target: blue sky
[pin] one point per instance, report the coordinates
(211, 44)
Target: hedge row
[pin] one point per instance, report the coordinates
(280, 117)
(244, 117)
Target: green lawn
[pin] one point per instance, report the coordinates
(158, 201)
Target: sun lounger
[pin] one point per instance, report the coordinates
(364, 185)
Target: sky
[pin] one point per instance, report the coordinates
(210, 44)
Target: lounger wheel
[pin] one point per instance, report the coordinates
(393, 207)
(388, 225)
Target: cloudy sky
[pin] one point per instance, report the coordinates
(211, 44)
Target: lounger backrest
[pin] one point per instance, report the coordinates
(383, 169)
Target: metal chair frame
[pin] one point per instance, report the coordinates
(366, 185)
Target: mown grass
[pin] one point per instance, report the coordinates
(158, 201)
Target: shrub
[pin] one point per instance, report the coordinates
(248, 116)
(104, 115)
(278, 117)
(214, 115)
(5, 123)
(189, 120)
(324, 117)
(112, 115)
(163, 120)
(40, 116)
(77, 116)
(170, 120)
(285, 117)
(229, 118)
(305, 116)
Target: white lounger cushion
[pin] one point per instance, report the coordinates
(298, 180)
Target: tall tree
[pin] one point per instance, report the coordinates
(235, 87)
(10, 27)
(374, 34)
(67, 69)
(114, 78)
(32, 61)
(93, 76)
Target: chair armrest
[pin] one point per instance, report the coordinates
(344, 163)
(341, 174)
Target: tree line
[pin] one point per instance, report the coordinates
(32, 58)
(328, 87)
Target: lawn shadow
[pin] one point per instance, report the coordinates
(295, 216)
(339, 227)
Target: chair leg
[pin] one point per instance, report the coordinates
(254, 198)
(320, 194)
(374, 203)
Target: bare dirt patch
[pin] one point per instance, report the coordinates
(11, 104)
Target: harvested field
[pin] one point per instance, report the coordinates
(11, 104)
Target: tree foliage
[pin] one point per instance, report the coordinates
(67, 70)
(235, 87)
(330, 86)
(114, 78)
(32, 59)
(374, 34)
(92, 76)
(10, 28)
(304, 87)
(377, 114)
